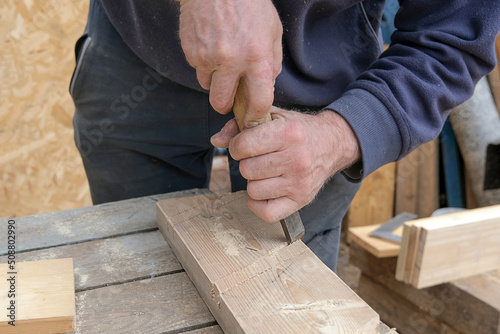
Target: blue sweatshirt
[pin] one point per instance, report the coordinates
(394, 101)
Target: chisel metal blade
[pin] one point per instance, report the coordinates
(293, 227)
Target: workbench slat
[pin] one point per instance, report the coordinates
(112, 260)
(160, 305)
(89, 223)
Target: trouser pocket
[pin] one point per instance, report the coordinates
(81, 48)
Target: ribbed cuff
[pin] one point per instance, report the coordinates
(378, 134)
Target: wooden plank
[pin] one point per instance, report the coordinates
(403, 252)
(417, 181)
(453, 246)
(377, 246)
(470, 305)
(374, 202)
(42, 297)
(159, 305)
(249, 278)
(89, 223)
(112, 260)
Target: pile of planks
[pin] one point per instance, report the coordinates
(440, 249)
(465, 306)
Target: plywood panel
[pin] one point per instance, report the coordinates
(40, 168)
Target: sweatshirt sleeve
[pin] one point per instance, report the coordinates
(437, 55)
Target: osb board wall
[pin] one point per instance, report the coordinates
(40, 168)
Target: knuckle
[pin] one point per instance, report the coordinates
(294, 132)
(252, 191)
(245, 170)
(303, 165)
(225, 53)
(219, 102)
(235, 149)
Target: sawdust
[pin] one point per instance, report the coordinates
(230, 239)
(64, 229)
(115, 255)
(80, 311)
(81, 279)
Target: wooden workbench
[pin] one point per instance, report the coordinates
(127, 279)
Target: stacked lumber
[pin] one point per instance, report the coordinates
(444, 248)
(465, 306)
(410, 185)
(250, 279)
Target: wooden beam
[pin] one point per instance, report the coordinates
(43, 296)
(444, 248)
(374, 202)
(250, 279)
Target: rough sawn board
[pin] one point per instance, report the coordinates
(251, 280)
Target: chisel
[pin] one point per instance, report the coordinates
(292, 225)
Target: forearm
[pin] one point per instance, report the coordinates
(437, 56)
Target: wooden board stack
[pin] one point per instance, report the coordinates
(464, 306)
(444, 248)
(251, 280)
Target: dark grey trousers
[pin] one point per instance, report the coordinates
(141, 134)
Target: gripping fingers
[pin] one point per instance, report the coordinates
(274, 209)
(222, 90)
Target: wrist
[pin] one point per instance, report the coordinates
(344, 142)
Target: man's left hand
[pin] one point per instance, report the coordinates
(287, 161)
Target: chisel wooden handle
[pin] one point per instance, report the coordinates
(292, 225)
(240, 105)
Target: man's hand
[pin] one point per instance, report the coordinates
(287, 161)
(225, 40)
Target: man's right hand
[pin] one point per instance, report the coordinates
(225, 40)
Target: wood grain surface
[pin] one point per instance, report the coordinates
(444, 248)
(468, 305)
(374, 202)
(377, 246)
(42, 297)
(127, 279)
(251, 280)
